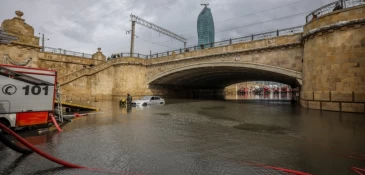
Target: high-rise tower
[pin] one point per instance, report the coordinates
(205, 26)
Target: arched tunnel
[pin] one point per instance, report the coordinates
(205, 81)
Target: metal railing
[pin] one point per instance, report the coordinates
(253, 37)
(136, 55)
(334, 6)
(65, 52)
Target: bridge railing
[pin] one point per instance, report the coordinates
(337, 5)
(253, 37)
(65, 52)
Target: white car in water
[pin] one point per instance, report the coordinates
(149, 100)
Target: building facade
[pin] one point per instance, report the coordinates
(205, 27)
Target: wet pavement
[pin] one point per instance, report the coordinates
(199, 137)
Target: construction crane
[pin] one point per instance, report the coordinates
(154, 27)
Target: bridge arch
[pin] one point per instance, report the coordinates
(222, 74)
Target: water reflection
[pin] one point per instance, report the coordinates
(266, 96)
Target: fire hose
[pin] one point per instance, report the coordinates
(38, 151)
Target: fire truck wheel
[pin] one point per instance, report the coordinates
(4, 122)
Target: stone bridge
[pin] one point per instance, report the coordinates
(277, 59)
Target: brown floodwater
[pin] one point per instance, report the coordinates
(199, 137)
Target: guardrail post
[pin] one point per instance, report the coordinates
(180, 50)
(157, 55)
(83, 55)
(121, 54)
(194, 47)
(252, 37)
(277, 32)
(167, 53)
(138, 55)
(230, 40)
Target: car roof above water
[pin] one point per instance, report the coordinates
(151, 96)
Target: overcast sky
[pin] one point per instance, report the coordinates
(84, 25)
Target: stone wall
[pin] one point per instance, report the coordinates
(130, 79)
(19, 28)
(89, 88)
(334, 62)
(19, 53)
(64, 64)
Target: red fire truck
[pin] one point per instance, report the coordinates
(26, 95)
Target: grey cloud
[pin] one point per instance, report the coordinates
(82, 25)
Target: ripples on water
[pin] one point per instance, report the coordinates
(199, 137)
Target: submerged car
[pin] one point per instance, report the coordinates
(149, 100)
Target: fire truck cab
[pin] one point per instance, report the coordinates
(26, 95)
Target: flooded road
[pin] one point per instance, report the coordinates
(199, 137)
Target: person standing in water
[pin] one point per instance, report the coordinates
(129, 99)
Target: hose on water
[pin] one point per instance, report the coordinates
(358, 170)
(56, 124)
(38, 151)
(49, 157)
(277, 168)
(6, 141)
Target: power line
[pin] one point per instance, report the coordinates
(249, 14)
(152, 9)
(266, 10)
(94, 10)
(248, 25)
(252, 24)
(84, 8)
(252, 13)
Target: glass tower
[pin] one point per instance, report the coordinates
(205, 27)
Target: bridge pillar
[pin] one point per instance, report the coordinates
(334, 62)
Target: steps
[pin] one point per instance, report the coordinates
(63, 80)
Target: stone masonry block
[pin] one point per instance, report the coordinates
(353, 107)
(345, 96)
(314, 104)
(303, 103)
(306, 95)
(322, 95)
(331, 106)
(359, 96)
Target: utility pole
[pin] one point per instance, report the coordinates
(43, 41)
(132, 36)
